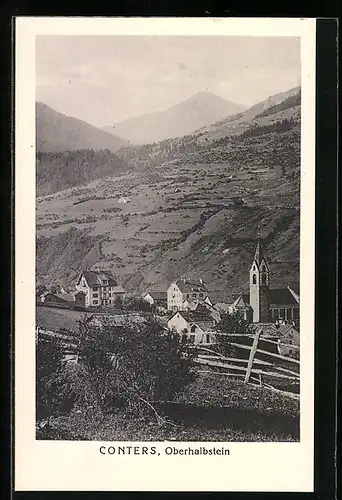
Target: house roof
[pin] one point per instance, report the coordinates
(268, 329)
(65, 296)
(194, 317)
(285, 328)
(276, 296)
(281, 296)
(272, 329)
(96, 278)
(222, 306)
(157, 295)
(187, 286)
(118, 289)
(115, 319)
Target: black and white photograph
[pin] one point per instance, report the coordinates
(168, 232)
(168, 217)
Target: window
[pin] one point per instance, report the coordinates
(95, 294)
(194, 295)
(207, 338)
(254, 279)
(193, 328)
(282, 314)
(95, 302)
(296, 313)
(192, 338)
(276, 314)
(187, 295)
(95, 289)
(201, 294)
(263, 279)
(289, 314)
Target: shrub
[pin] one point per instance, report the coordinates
(135, 365)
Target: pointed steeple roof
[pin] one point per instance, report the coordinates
(259, 252)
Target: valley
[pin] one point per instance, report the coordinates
(193, 213)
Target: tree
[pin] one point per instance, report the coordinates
(137, 365)
(232, 324)
(53, 394)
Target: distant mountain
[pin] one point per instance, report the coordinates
(284, 105)
(57, 133)
(182, 119)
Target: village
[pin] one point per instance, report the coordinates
(186, 306)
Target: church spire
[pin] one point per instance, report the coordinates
(259, 252)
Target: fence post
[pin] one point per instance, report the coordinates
(251, 356)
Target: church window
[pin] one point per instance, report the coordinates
(254, 279)
(263, 279)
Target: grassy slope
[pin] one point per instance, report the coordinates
(211, 409)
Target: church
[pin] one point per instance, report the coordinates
(263, 304)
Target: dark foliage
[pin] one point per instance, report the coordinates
(58, 171)
(53, 394)
(231, 324)
(132, 366)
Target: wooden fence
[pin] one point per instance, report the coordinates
(260, 366)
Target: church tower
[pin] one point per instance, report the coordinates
(259, 282)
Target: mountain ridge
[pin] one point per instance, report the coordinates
(57, 132)
(178, 120)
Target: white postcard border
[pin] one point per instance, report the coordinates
(78, 466)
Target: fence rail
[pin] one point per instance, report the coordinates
(253, 369)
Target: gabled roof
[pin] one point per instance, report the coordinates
(222, 306)
(193, 316)
(157, 295)
(285, 328)
(242, 302)
(281, 296)
(188, 286)
(65, 296)
(276, 296)
(96, 278)
(272, 329)
(268, 329)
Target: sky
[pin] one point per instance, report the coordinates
(106, 79)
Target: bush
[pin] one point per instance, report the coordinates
(54, 395)
(135, 365)
(233, 323)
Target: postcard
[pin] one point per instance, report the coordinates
(164, 285)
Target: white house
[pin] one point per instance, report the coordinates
(193, 327)
(100, 288)
(185, 291)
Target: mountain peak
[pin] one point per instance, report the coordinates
(199, 110)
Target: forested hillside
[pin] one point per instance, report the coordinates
(58, 171)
